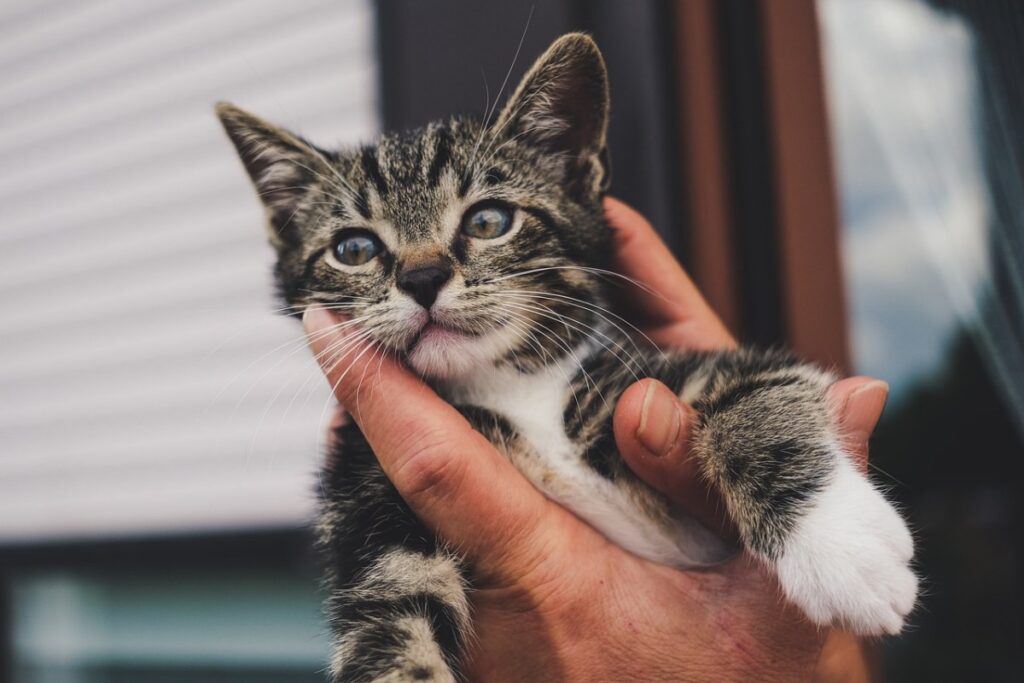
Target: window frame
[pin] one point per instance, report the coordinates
(764, 217)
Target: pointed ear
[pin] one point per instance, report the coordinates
(282, 166)
(562, 105)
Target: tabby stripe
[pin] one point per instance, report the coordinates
(362, 203)
(543, 216)
(495, 176)
(371, 167)
(311, 262)
(557, 232)
(777, 492)
(739, 390)
(363, 654)
(603, 455)
(460, 249)
(442, 155)
(355, 615)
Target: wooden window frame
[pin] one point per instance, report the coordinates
(762, 197)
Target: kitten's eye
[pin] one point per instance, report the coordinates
(356, 247)
(487, 223)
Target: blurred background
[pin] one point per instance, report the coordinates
(841, 176)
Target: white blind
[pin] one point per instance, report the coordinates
(140, 388)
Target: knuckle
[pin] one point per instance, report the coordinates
(432, 467)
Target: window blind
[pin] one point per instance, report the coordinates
(146, 386)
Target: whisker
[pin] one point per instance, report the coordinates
(531, 338)
(293, 346)
(501, 90)
(334, 387)
(335, 348)
(568, 320)
(597, 310)
(562, 344)
(338, 350)
(587, 269)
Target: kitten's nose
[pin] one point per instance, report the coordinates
(423, 283)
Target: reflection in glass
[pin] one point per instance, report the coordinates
(927, 101)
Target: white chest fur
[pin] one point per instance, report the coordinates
(534, 405)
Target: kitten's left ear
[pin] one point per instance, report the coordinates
(562, 105)
(282, 166)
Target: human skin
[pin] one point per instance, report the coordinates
(553, 599)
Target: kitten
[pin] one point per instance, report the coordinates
(475, 252)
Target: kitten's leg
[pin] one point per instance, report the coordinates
(397, 604)
(765, 438)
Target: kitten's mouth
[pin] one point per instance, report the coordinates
(436, 331)
(446, 348)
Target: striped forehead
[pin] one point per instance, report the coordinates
(410, 181)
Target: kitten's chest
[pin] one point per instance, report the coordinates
(534, 406)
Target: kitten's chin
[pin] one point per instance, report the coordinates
(446, 354)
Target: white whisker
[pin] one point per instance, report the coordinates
(632, 366)
(597, 310)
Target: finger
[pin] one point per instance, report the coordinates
(652, 432)
(675, 313)
(858, 403)
(845, 657)
(451, 476)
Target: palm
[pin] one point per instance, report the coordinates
(581, 590)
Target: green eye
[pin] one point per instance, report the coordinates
(356, 247)
(487, 222)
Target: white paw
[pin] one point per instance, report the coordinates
(847, 562)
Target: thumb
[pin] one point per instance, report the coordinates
(652, 431)
(449, 474)
(858, 403)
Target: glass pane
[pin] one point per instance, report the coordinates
(926, 100)
(191, 628)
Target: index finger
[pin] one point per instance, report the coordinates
(449, 474)
(672, 309)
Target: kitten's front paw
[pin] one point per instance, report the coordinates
(847, 562)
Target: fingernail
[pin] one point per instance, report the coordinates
(661, 418)
(866, 404)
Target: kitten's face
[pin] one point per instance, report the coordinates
(458, 245)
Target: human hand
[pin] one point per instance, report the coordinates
(656, 446)
(553, 598)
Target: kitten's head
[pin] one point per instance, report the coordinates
(461, 244)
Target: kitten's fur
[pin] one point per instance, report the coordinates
(526, 350)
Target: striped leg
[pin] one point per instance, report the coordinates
(765, 439)
(397, 603)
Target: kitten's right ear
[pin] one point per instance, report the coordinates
(561, 106)
(282, 166)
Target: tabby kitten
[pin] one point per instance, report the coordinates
(476, 252)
